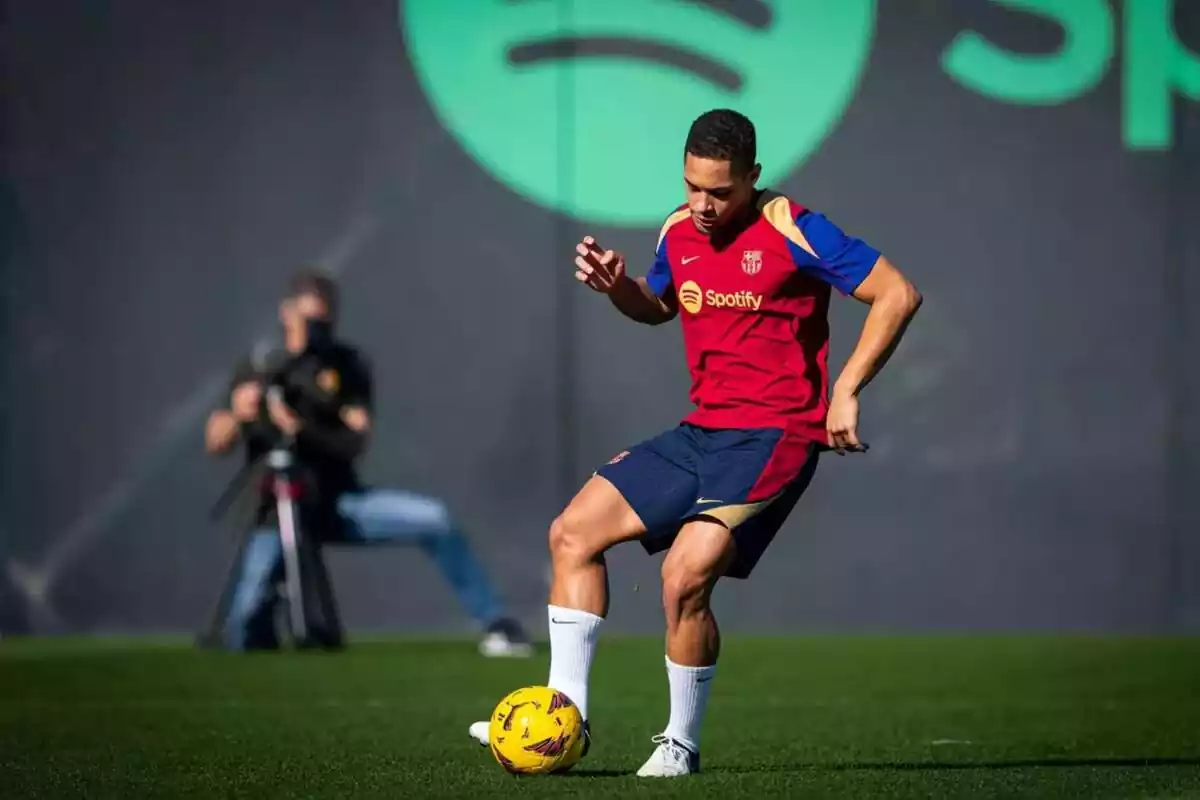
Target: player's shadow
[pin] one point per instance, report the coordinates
(596, 773)
(933, 766)
(915, 766)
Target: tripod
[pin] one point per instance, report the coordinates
(312, 615)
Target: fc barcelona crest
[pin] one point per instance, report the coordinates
(751, 261)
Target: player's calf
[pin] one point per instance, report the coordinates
(697, 559)
(692, 635)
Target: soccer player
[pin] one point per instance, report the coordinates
(748, 272)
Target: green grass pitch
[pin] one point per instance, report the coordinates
(862, 717)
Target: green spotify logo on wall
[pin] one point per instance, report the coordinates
(1155, 65)
(582, 105)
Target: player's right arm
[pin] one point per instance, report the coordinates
(645, 300)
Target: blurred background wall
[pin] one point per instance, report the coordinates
(1032, 165)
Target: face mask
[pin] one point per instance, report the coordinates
(320, 335)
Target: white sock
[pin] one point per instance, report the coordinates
(689, 696)
(573, 635)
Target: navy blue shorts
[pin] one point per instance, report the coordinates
(749, 479)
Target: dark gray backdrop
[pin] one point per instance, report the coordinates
(167, 165)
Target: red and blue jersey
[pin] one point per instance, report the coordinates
(754, 312)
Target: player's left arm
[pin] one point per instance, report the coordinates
(894, 301)
(860, 271)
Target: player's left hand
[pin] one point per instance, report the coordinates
(841, 424)
(283, 417)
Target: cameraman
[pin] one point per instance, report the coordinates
(324, 407)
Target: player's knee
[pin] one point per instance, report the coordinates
(685, 589)
(570, 540)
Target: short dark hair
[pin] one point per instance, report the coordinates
(723, 135)
(317, 284)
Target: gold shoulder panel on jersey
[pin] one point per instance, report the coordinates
(777, 210)
(674, 219)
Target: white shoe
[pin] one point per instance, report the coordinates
(497, 645)
(669, 760)
(479, 732)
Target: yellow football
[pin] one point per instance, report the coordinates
(536, 730)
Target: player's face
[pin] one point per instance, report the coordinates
(715, 192)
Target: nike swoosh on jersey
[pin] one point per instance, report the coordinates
(688, 259)
(706, 501)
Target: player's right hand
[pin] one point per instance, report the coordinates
(246, 401)
(599, 269)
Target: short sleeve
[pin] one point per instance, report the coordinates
(659, 276)
(841, 260)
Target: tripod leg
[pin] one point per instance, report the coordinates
(211, 634)
(289, 534)
(321, 612)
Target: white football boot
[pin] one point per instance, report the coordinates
(669, 760)
(479, 732)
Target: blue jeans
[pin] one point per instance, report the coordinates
(376, 516)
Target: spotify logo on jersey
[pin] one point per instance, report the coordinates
(690, 297)
(582, 106)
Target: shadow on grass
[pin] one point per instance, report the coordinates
(911, 766)
(596, 773)
(934, 766)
